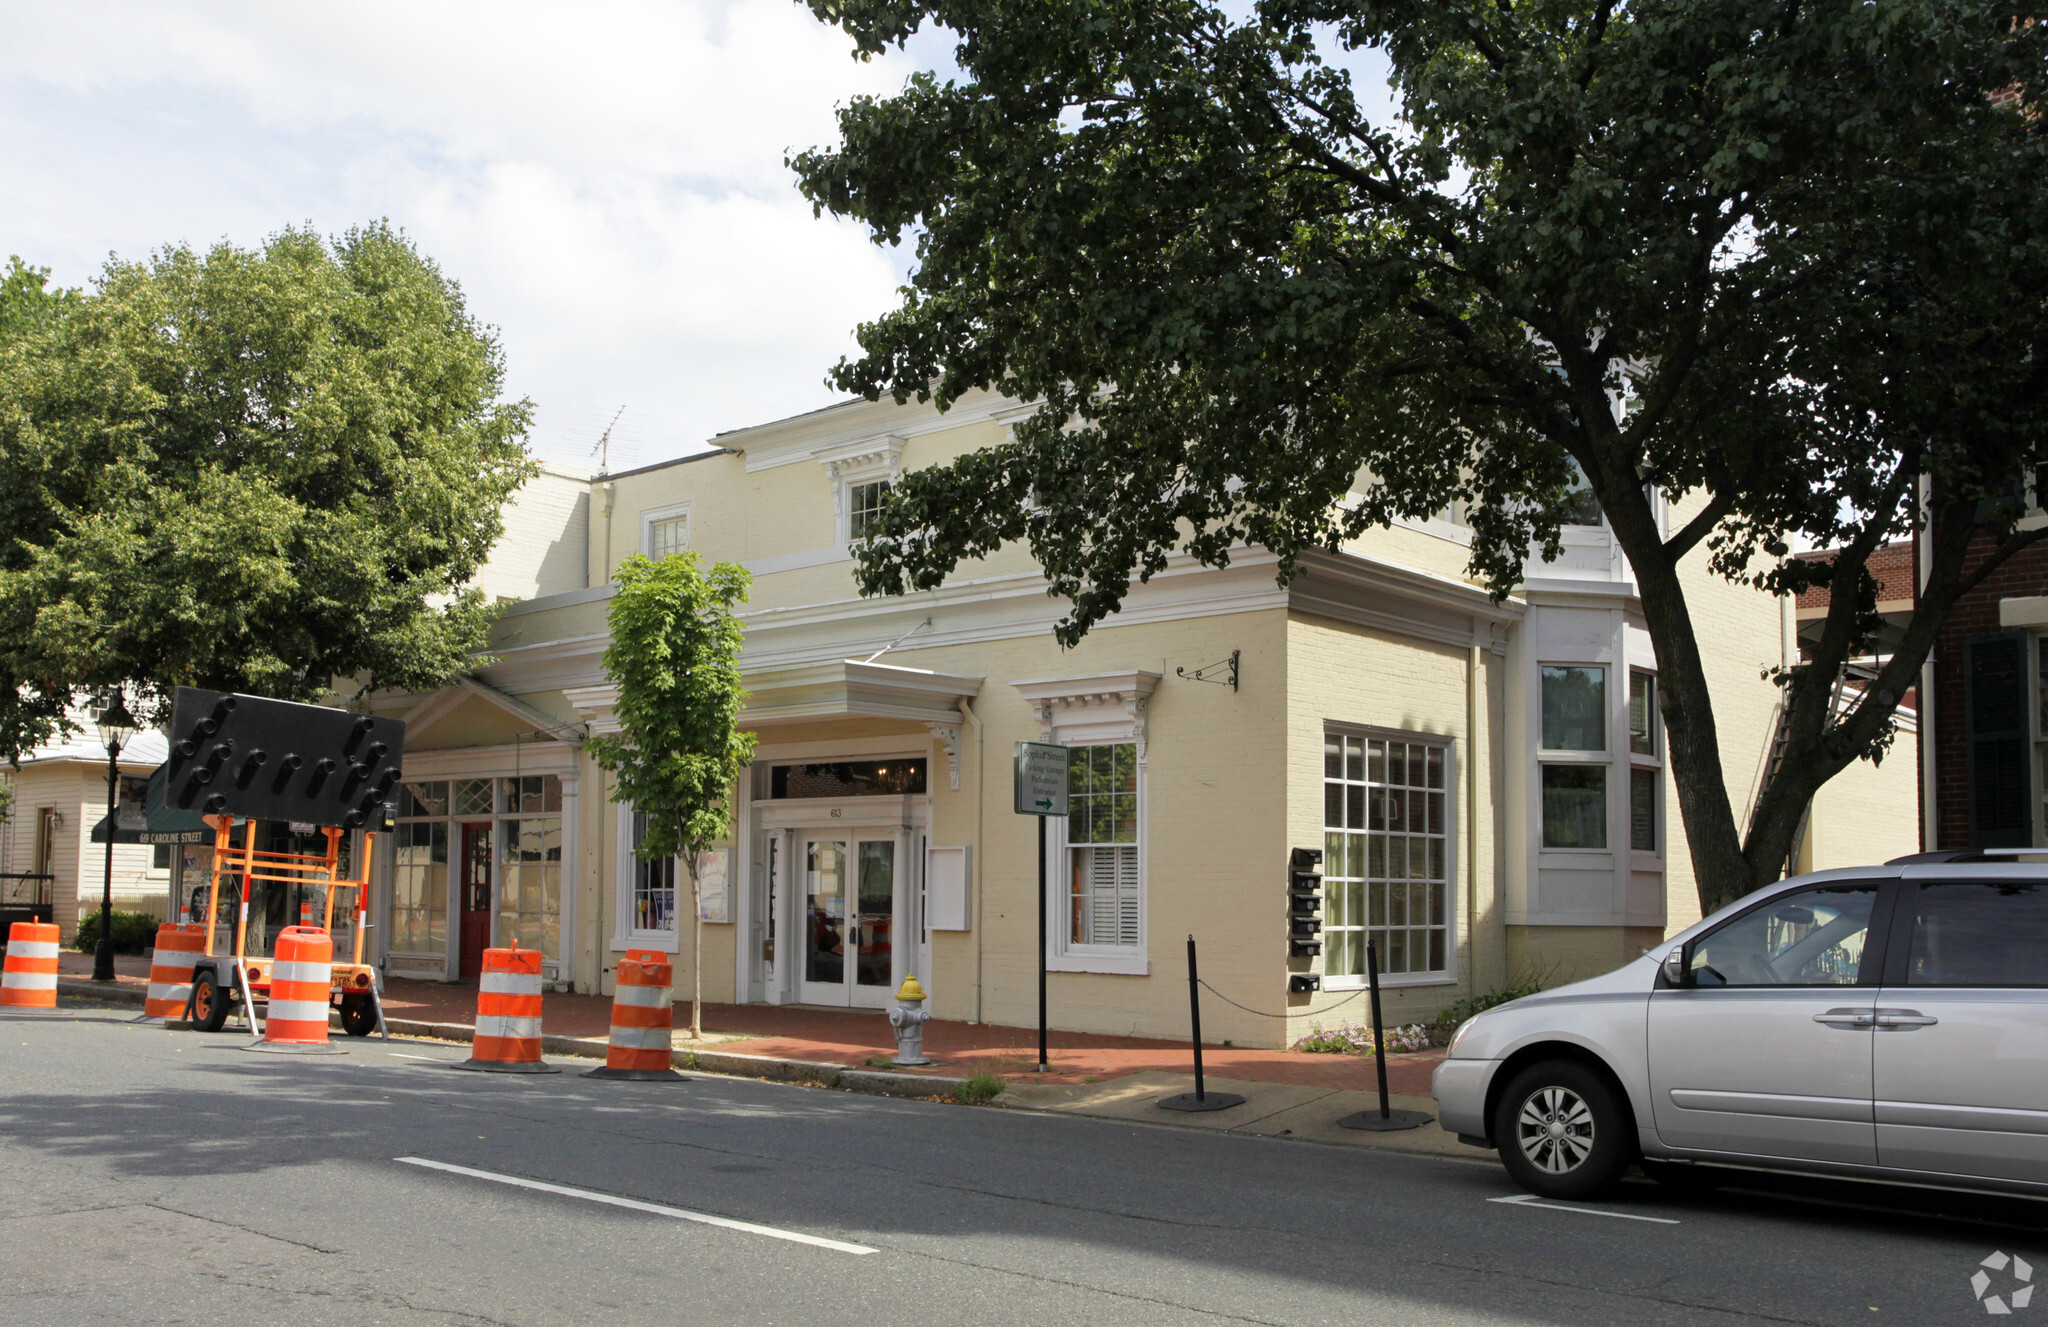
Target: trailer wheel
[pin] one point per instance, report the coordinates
(358, 1019)
(209, 1008)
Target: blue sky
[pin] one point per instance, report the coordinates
(605, 181)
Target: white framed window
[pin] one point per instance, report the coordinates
(1389, 856)
(1573, 765)
(650, 893)
(1095, 864)
(1645, 767)
(864, 503)
(665, 531)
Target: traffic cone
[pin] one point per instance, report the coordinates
(508, 1015)
(643, 1013)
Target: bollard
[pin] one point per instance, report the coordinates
(908, 1019)
(301, 978)
(1201, 1099)
(643, 1017)
(28, 980)
(508, 1015)
(1385, 1119)
(170, 970)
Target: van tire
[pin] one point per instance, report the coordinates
(1562, 1131)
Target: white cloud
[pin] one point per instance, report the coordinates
(606, 181)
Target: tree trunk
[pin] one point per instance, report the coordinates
(696, 950)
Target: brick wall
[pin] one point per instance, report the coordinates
(1892, 565)
(2025, 576)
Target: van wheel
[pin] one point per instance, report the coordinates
(1561, 1131)
(209, 1009)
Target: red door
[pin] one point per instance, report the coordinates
(476, 898)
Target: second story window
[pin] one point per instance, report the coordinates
(864, 503)
(669, 534)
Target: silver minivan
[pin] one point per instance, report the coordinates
(1886, 1022)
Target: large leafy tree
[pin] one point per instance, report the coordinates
(675, 658)
(1777, 262)
(247, 470)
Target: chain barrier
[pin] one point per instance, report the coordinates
(1263, 1014)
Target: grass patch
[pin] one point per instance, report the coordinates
(978, 1087)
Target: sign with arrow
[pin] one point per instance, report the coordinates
(1041, 779)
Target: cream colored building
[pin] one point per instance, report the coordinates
(1486, 778)
(59, 796)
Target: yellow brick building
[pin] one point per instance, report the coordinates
(1485, 778)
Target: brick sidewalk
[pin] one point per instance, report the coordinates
(853, 1037)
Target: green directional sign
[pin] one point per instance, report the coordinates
(1041, 779)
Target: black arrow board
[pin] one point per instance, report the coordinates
(262, 759)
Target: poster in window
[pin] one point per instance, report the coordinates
(714, 893)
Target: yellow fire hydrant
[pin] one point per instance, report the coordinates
(908, 1018)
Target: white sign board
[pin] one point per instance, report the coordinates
(1041, 779)
(714, 894)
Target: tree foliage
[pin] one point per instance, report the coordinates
(1778, 264)
(675, 658)
(246, 470)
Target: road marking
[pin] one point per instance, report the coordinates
(680, 1214)
(1529, 1200)
(430, 1059)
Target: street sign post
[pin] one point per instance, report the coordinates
(1041, 778)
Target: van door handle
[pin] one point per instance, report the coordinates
(1904, 1018)
(1844, 1018)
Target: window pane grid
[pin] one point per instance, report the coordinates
(1386, 855)
(1102, 838)
(864, 503)
(668, 536)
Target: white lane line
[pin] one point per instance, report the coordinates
(430, 1059)
(1529, 1200)
(680, 1214)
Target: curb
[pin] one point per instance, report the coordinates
(821, 1073)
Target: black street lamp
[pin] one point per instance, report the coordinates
(117, 727)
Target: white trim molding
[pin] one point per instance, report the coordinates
(1088, 711)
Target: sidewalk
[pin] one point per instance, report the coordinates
(862, 1039)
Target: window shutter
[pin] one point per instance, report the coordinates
(1995, 701)
(1112, 877)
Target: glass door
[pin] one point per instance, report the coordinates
(849, 893)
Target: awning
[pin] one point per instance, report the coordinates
(157, 823)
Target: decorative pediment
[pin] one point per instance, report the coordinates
(1104, 707)
(870, 458)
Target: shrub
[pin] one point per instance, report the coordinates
(978, 1087)
(133, 932)
(1445, 1024)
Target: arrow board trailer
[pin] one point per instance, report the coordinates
(283, 787)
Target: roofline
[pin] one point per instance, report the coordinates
(789, 419)
(663, 465)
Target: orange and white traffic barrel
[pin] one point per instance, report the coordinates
(301, 978)
(508, 1014)
(170, 969)
(643, 1016)
(28, 980)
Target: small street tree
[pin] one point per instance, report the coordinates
(247, 470)
(1783, 264)
(675, 658)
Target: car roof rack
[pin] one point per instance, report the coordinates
(1957, 855)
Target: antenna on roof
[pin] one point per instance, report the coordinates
(603, 450)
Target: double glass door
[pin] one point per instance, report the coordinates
(847, 884)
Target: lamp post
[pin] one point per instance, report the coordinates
(117, 726)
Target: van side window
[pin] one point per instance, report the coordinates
(1812, 938)
(1979, 933)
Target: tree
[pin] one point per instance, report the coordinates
(248, 471)
(1781, 262)
(675, 658)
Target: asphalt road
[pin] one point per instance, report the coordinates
(154, 1177)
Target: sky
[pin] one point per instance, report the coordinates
(605, 181)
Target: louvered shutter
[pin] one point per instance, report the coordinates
(1111, 879)
(1995, 702)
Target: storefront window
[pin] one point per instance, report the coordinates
(525, 815)
(1386, 855)
(654, 885)
(419, 888)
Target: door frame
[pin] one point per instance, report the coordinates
(902, 819)
(466, 828)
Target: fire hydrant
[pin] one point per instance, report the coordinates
(908, 1018)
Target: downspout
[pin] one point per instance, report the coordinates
(1472, 813)
(980, 813)
(605, 510)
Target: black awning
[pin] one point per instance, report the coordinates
(161, 823)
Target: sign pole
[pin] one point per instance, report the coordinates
(1044, 1063)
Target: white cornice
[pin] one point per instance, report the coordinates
(1098, 707)
(851, 423)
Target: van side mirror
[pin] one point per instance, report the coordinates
(1674, 967)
